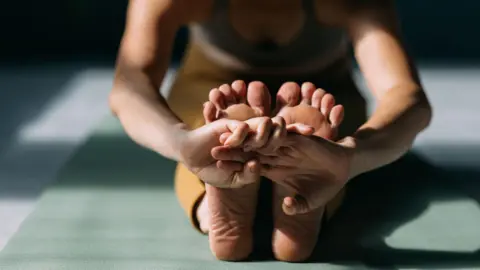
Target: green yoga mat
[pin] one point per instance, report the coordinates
(113, 207)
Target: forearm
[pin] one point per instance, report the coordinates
(400, 116)
(145, 115)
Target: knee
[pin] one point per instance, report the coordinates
(232, 250)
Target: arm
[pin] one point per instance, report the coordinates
(142, 61)
(403, 110)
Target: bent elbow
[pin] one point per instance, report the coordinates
(425, 113)
(115, 99)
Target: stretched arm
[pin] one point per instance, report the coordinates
(142, 61)
(403, 110)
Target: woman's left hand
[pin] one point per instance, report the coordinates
(314, 169)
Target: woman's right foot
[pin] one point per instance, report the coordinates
(295, 237)
(230, 212)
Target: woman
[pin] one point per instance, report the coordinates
(278, 45)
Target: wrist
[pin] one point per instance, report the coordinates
(177, 138)
(352, 147)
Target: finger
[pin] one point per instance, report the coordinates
(250, 174)
(230, 166)
(296, 205)
(268, 160)
(277, 174)
(239, 131)
(209, 112)
(277, 135)
(280, 127)
(260, 137)
(301, 129)
(231, 154)
(277, 161)
(218, 99)
(224, 137)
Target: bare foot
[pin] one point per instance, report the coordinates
(295, 237)
(228, 214)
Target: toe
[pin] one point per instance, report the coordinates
(307, 89)
(288, 95)
(258, 98)
(209, 112)
(217, 98)
(317, 98)
(240, 89)
(336, 116)
(327, 103)
(228, 93)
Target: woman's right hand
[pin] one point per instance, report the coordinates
(196, 151)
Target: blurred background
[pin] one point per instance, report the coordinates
(56, 66)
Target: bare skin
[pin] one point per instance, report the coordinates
(294, 237)
(403, 110)
(229, 214)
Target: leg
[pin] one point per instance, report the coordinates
(231, 212)
(295, 237)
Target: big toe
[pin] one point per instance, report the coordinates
(258, 98)
(288, 95)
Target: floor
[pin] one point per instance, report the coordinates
(46, 112)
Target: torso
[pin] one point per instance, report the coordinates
(272, 36)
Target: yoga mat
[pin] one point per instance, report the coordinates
(113, 207)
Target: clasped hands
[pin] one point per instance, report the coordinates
(229, 153)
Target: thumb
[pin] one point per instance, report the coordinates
(296, 205)
(224, 137)
(238, 131)
(251, 172)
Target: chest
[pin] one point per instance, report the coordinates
(279, 21)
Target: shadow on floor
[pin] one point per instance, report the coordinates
(380, 202)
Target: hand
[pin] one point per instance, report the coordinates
(199, 146)
(315, 169)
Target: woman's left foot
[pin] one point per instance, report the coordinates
(295, 237)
